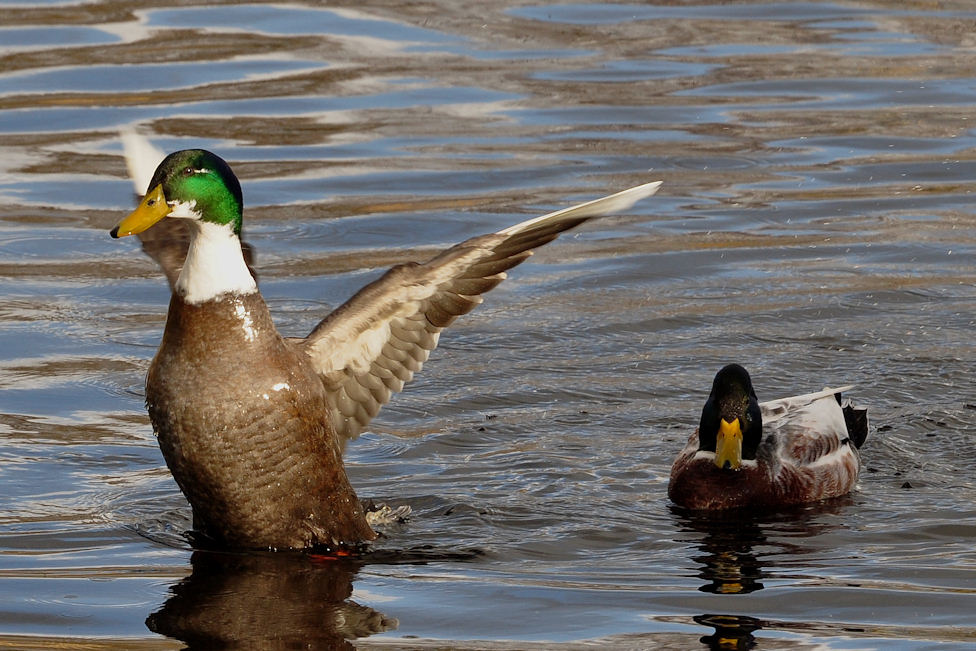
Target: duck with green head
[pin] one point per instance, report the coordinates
(199, 187)
(252, 424)
(749, 454)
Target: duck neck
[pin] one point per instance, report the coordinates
(214, 264)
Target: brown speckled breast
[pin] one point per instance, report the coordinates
(241, 421)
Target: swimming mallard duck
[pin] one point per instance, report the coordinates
(772, 454)
(251, 424)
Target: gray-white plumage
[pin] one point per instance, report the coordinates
(368, 348)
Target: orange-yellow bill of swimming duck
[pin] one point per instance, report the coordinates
(771, 454)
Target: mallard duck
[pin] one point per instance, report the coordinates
(252, 424)
(772, 454)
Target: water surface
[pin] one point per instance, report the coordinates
(815, 225)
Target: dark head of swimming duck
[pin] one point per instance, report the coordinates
(731, 421)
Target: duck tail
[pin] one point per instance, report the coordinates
(857, 423)
(856, 419)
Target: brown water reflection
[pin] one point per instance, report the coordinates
(732, 632)
(737, 550)
(267, 601)
(816, 223)
(729, 562)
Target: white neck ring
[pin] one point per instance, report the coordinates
(214, 264)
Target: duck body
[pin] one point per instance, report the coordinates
(253, 425)
(807, 450)
(258, 459)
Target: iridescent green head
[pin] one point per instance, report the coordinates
(192, 183)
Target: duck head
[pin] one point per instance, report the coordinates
(731, 422)
(193, 184)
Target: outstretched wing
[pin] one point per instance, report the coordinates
(368, 348)
(141, 159)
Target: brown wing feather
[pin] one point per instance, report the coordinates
(368, 348)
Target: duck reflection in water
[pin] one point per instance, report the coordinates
(728, 564)
(739, 548)
(267, 601)
(732, 632)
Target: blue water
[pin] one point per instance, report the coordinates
(815, 224)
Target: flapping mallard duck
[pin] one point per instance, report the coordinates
(772, 454)
(251, 424)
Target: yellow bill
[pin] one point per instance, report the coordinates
(728, 444)
(151, 210)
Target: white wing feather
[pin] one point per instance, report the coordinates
(373, 344)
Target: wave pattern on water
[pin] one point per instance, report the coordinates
(815, 224)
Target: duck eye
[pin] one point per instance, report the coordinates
(188, 171)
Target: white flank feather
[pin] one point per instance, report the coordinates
(772, 410)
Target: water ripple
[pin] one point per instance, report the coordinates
(815, 224)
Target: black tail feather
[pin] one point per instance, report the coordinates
(856, 419)
(857, 423)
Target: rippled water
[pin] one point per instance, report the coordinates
(815, 225)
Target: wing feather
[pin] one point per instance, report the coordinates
(815, 430)
(372, 345)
